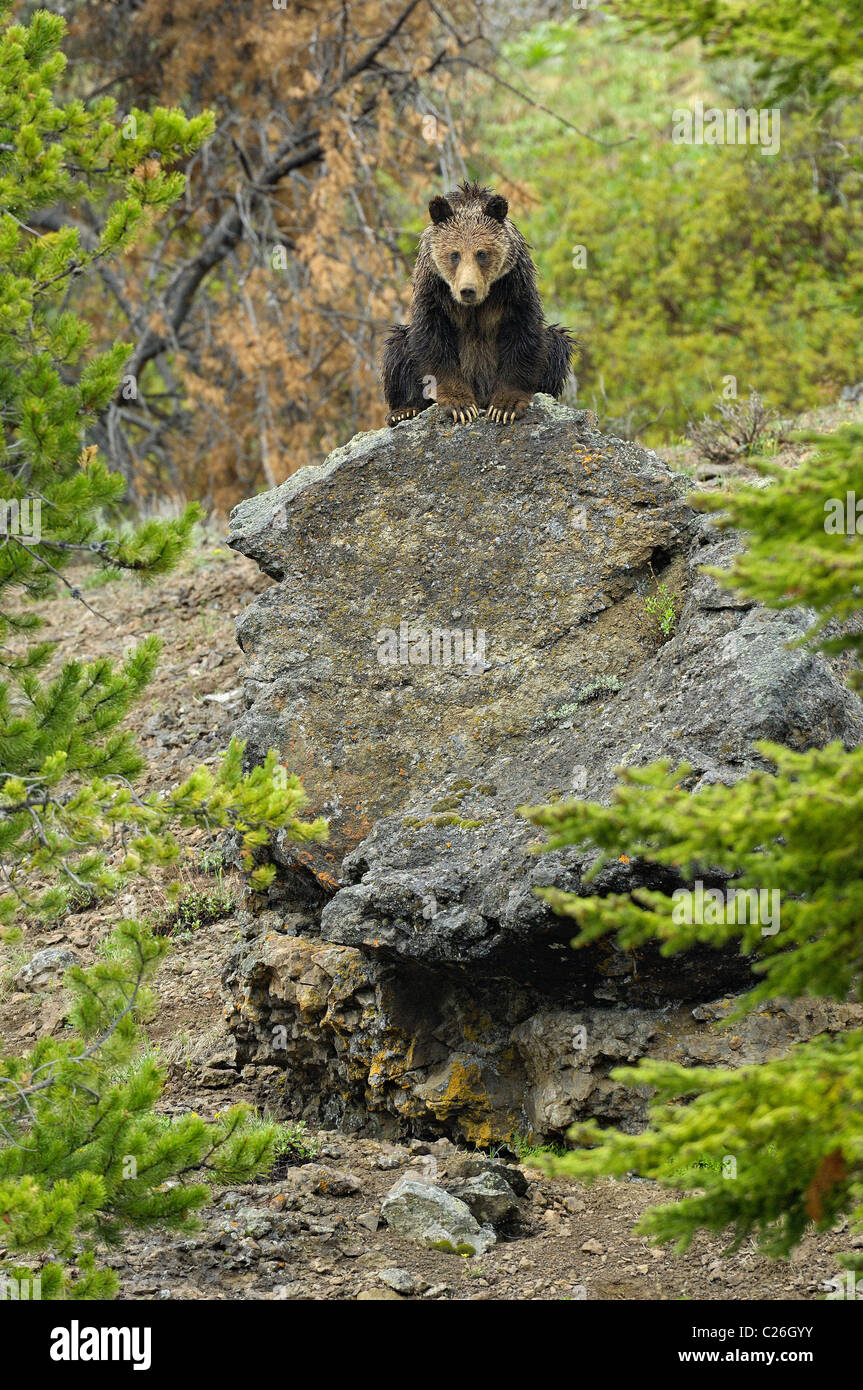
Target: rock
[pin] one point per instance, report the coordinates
(377, 1295)
(402, 1281)
(473, 1165)
(488, 1198)
(416, 984)
(215, 1078)
(45, 968)
(593, 1247)
(316, 1177)
(249, 1221)
(428, 1214)
(370, 1220)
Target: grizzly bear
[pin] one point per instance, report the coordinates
(477, 338)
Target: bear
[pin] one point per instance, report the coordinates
(477, 337)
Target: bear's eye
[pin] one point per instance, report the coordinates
(482, 257)
(454, 257)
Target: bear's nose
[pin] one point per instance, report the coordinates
(468, 296)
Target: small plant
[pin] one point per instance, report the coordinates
(740, 431)
(662, 608)
(600, 685)
(528, 1152)
(212, 860)
(195, 908)
(293, 1146)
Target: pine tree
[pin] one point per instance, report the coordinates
(82, 1152)
(793, 1127)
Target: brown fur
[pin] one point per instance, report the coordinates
(477, 330)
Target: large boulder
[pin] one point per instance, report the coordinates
(459, 628)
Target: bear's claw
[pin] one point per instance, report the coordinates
(408, 412)
(506, 412)
(462, 414)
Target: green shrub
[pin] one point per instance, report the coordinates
(702, 262)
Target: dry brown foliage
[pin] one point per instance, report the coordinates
(257, 308)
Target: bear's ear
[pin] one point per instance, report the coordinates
(439, 209)
(496, 207)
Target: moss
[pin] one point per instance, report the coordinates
(455, 796)
(600, 685)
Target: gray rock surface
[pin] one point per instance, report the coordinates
(406, 976)
(401, 1281)
(429, 1214)
(488, 1198)
(45, 968)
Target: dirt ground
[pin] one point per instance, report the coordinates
(313, 1231)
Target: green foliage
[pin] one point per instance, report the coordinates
(805, 539)
(195, 908)
(294, 1145)
(66, 800)
(661, 607)
(528, 1152)
(702, 261)
(814, 865)
(796, 45)
(793, 1127)
(773, 1148)
(83, 1153)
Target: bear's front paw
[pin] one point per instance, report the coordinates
(507, 407)
(461, 412)
(406, 412)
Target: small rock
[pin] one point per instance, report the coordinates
(327, 1181)
(44, 968)
(401, 1280)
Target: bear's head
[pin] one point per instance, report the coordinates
(470, 241)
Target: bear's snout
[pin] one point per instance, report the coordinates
(468, 295)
